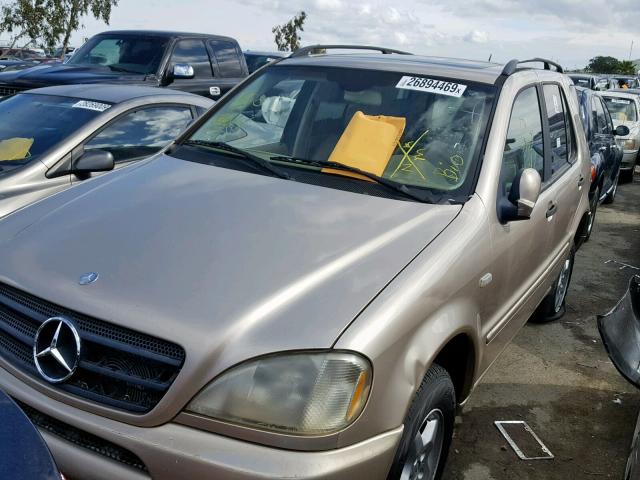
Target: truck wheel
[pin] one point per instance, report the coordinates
(612, 194)
(593, 208)
(428, 429)
(553, 305)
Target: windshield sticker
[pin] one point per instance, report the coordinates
(95, 106)
(431, 85)
(624, 102)
(556, 104)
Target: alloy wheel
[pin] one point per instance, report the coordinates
(563, 285)
(424, 453)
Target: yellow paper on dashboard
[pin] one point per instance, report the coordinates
(15, 148)
(367, 144)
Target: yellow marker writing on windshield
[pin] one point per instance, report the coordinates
(406, 157)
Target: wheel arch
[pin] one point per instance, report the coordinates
(458, 358)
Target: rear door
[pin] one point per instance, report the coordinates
(193, 52)
(563, 180)
(229, 62)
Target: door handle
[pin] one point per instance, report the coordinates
(551, 209)
(581, 180)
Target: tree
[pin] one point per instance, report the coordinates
(70, 12)
(51, 20)
(602, 64)
(30, 20)
(627, 67)
(286, 35)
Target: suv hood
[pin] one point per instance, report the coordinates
(228, 264)
(63, 74)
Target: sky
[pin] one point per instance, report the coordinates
(568, 31)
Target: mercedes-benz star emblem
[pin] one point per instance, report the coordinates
(56, 349)
(88, 278)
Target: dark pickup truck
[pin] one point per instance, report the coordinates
(208, 65)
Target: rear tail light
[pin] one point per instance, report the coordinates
(593, 173)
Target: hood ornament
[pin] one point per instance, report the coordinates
(56, 349)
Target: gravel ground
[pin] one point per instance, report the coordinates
(557, 376)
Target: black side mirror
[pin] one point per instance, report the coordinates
(94, 161)
(621, 131)
(523, 196)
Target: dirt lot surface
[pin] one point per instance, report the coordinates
(558, 378)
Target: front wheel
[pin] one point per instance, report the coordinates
(428, 429)
(553, 305)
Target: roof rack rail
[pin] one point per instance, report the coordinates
(301, 52)
(512, 65)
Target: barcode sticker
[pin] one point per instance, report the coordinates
(432, 85)
(95, 106)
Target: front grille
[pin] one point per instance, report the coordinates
(118, 367)
(82, 439)
(6, 90)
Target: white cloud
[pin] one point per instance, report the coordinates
(518, 28)
(476, 36)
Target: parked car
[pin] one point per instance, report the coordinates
(255, 59)
(312, 306)
(55, 137)
(606, 155)
(24, 454)
(592, 82)
(630, 81)
(624, 108)
(208, 65)
(620, 330)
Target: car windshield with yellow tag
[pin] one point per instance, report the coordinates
(33, 123)
(412, 131)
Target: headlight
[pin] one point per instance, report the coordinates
(309, 393)
(630, 144)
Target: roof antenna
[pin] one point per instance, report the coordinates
(490, 57)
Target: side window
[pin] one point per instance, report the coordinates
(227, 57)
(141, 133)
(194, 53)
(557, 127)
(572, 146)
(524, 147)
(601, 117)
(607, 117)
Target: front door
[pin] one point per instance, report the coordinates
(522, 249)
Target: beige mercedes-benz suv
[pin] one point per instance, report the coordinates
(307, 282)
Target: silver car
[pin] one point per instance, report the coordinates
(310, 306)
(55, 137)
(624, 108)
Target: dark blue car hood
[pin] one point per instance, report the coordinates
(62, 74)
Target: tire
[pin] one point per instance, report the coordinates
(626, 176)
(431, 415)
(553, 306)
(593, 208)
(611, 196)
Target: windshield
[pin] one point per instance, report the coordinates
(123, 53)
(31, 124)
(414, 130)
(621, 109)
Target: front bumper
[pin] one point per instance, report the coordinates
(175, 451)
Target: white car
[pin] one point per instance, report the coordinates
(624, 108)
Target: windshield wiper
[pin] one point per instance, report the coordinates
(113, 68)
(250, 157)
(400, 188)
